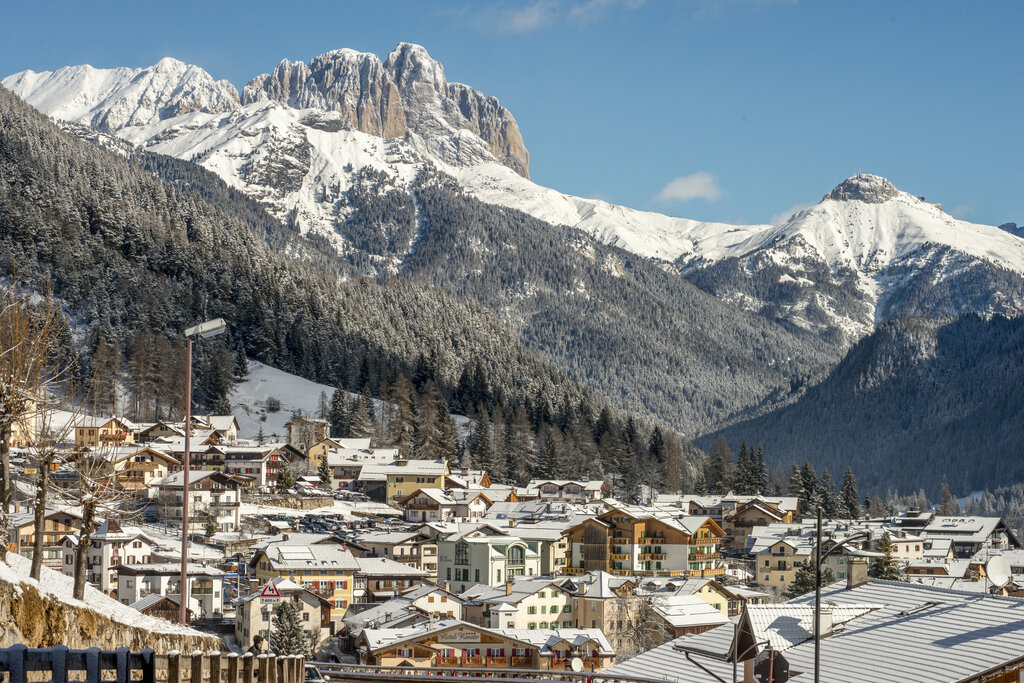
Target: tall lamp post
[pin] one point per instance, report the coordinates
(819, 560)
(211, 328)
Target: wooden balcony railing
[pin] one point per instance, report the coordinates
(497, 661)
(448, 661)
(472, 661)
(522, 661)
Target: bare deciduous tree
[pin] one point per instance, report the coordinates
(30, 329)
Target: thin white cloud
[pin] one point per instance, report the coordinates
(783, 216)
(699, 185)
(530, 17)
(512, 16)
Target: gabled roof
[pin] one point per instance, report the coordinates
(927, 634)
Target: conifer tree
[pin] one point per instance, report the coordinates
(520, 445)
(361, 423)
(760, 477)
(447, 441)
(948, 505)
(480, 443)
(400, 431)
(337, 412)
(849, 504)
(809, 496)
(499, 463)
(744, 484)
(287, 637)
(720, 468)
(803, 580)
(261, 438)
(284, 480)
(827, 495)
(886, 567)
(324, 472)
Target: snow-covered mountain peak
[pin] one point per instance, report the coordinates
(864, 187)
(112, 99)
(412, 68)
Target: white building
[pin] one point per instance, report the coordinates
(206, 585)
(213, 497)
(110, 546)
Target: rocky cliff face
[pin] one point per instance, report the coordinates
(351, 83)
(407, 95)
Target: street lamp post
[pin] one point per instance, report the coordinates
(210, 328)
(819, 559)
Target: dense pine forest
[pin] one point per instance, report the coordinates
(137, 260)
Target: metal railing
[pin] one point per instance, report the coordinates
(346, 673)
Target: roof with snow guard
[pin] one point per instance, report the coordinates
(927, 634)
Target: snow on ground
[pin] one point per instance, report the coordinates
(61, 587)
(249, 400)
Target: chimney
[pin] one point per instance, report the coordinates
(448, 586)
(856, 572)
(508, 587)
(825, 624)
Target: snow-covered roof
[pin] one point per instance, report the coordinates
(687, 610)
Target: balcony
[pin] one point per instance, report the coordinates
(703, 557)
(522, 661)
(448, 661)
(619, 572)
(497, 661)
(647, 557)
(620, 556)
(572, 570)
(472, 661)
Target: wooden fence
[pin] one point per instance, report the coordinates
(61, 665)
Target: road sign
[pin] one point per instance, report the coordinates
(270, 595)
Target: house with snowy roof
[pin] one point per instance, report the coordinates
(254, 613)
(484, 553)
(872, 630)
(110, 546)
(454, 643)
(521, 602)
(136, 581)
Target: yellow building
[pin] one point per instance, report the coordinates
(103, 431)
(328, 570)
(777, 564)
(406, 476)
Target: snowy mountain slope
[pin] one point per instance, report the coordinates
(304, 136)
(249, 400)
(110, 99)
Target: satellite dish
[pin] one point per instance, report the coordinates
(577, 664)
(998, 571)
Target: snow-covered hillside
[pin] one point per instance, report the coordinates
(303, 136)
(250, 398)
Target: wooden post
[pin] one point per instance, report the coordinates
(263, 668)
(281, 669)
(173, 667)
(215, 667)
(247, 663)
(271, 669)
(196, 669)
(92, 665)
(232, 676)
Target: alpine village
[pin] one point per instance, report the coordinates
(304, 380)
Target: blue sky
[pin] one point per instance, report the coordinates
(735, 110)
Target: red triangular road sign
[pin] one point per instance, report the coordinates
(270, 591)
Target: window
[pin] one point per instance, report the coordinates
(566, 609)
(462, 553)
(476, 575)
(543, 609)
(554, 609)
(566, 624)
(305, 616)
(532, 625)
(405, 652)
(430, 598)
(531, 609)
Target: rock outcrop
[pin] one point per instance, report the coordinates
(407, 95)
(40, 615)
(864, 187)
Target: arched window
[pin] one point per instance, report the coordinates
(516, 555)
